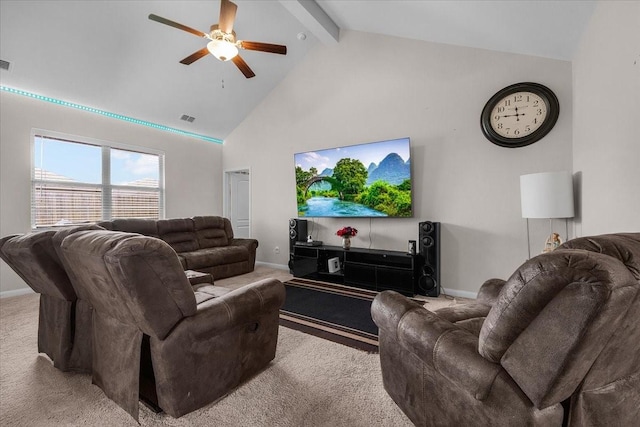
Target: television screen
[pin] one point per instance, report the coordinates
(364, 180)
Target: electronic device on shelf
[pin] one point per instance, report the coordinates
(333, 265)
(312, 243)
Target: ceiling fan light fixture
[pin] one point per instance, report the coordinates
(222, 49)
(223, 43)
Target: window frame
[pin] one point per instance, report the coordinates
(105, 185)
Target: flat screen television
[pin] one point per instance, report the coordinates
(364, 180)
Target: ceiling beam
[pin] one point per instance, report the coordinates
(311, 15)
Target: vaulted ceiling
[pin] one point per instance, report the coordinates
(108, 55)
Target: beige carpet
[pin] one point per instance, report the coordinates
(311, 382)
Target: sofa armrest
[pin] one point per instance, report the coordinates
(490, 290)
(227, 341)
(236, 308)
(250, 244)
(452, 351)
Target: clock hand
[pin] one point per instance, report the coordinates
(516, 115)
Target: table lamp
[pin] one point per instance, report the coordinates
(547, 195)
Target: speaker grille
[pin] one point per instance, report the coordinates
(297, 232)
(429, 245)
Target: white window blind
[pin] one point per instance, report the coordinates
(81, 181)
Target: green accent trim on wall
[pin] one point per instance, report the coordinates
(110, 115)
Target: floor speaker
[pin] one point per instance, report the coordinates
(429, 246)
(297, 232)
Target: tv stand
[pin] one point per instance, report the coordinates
(372, 269)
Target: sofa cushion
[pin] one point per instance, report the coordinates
(211, 232)
(622, 246)
(57, 240)
(107, 225)
(147, 227)
(585, 281)
(469, 316)
(179, 233)
(208, 257)
(206, 291)
(131, 278)
(33, 257)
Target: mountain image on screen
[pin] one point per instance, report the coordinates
(348, 188)
(392, 169)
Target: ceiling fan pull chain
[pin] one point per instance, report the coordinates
(222, 83)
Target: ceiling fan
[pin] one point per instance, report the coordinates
(222, 40)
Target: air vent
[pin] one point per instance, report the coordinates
(4, 65)
(187, 118)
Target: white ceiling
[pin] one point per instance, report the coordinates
(108, 55)
(548, 28)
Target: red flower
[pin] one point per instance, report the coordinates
(347, 232)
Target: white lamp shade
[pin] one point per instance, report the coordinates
(222, 49)
(547, 195)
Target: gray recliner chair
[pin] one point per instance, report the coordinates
(154, 334)
(559, 345)
(64, 320)
(610, 392)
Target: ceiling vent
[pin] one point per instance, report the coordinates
(187, 118)
(4, 65)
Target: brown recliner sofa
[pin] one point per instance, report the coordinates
(559, 345)
(156, 337)
(64, 320)
(203, 243)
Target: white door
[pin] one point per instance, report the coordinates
(239, 203)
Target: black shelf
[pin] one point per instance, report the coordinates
(372, 269)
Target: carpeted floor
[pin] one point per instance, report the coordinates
(311, 382)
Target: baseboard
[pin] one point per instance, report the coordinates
(16, 292)
(271, 265)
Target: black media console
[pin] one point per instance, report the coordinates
(372, 269)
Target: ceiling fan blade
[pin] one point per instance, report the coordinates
(176, 25)
(195, 56)
(263, 47)
(227, 16)
(242, 66)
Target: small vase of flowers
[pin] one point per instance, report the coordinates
(346, 233)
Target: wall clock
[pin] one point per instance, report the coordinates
(519, 114)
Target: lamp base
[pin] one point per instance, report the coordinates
(553, 241)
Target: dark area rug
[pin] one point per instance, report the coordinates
(337, 313)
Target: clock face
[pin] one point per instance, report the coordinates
(519, 115)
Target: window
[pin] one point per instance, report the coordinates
(78, 180)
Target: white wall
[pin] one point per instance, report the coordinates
(372, 87)
(606, 146)
(193, 168)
